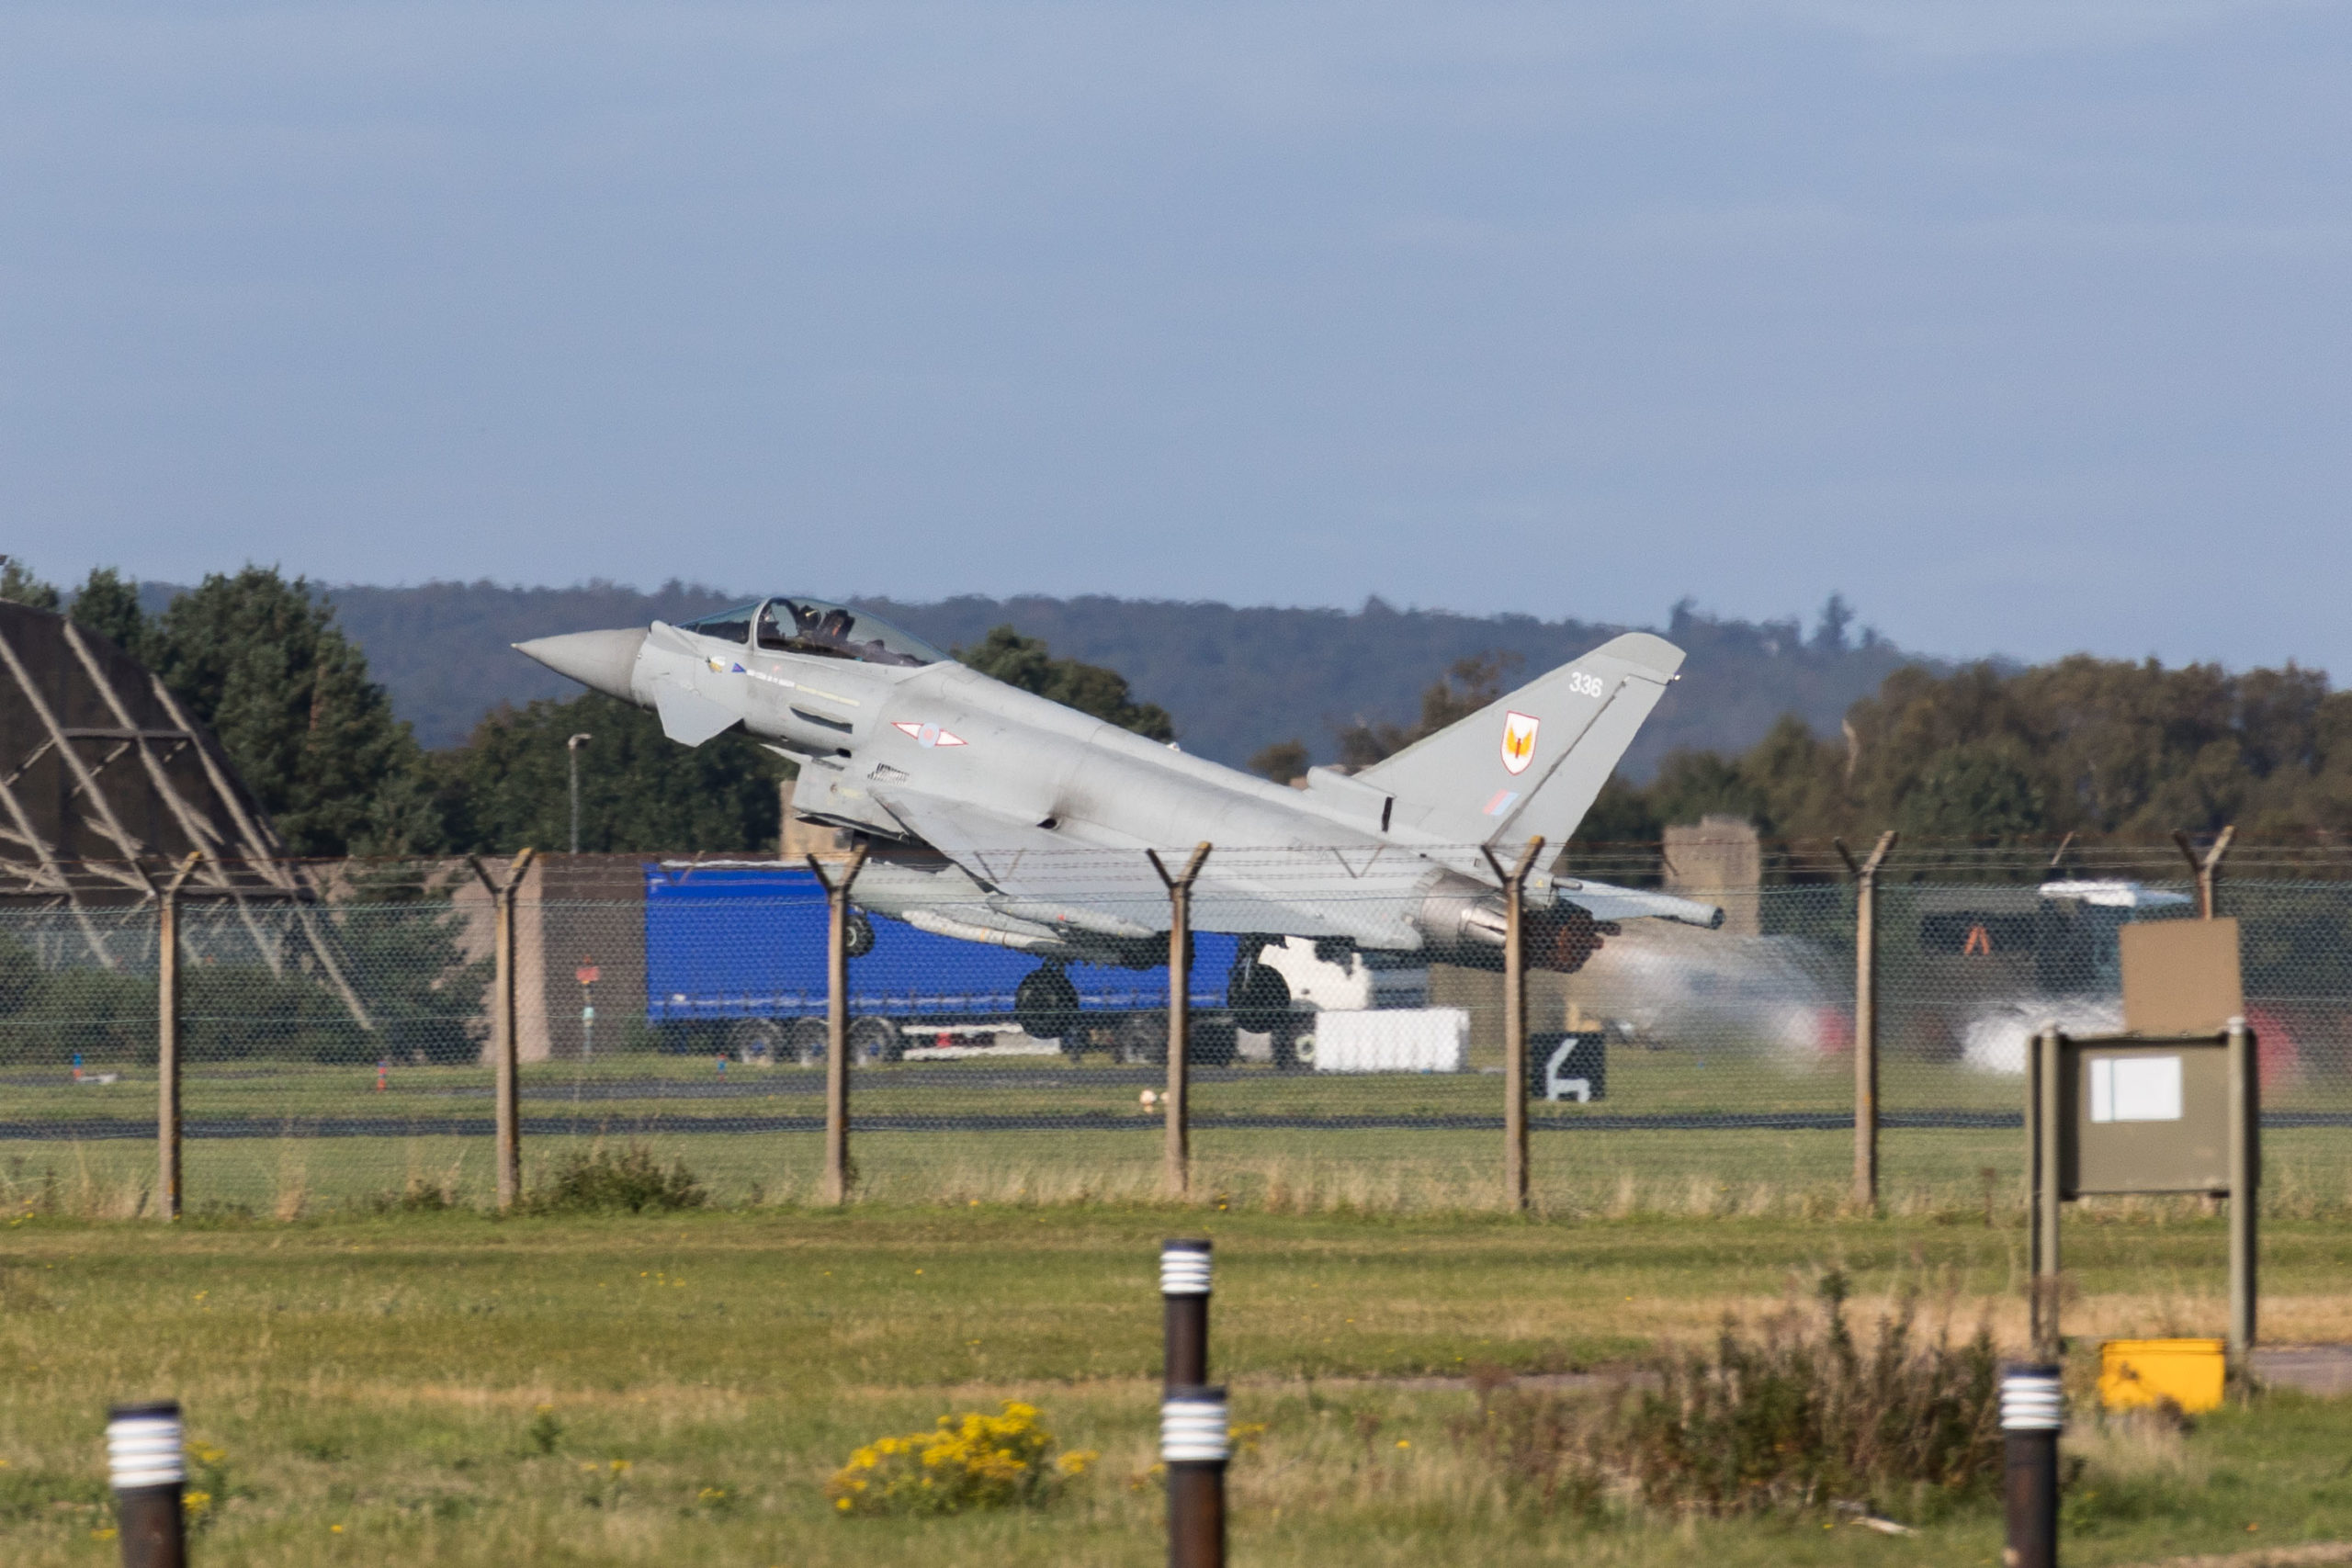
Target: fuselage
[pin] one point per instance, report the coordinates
(1000, 816)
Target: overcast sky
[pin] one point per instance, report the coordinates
(2023, 324)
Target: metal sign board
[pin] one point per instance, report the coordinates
(2181, 976)
(2137, 1115)
(2142, 1112)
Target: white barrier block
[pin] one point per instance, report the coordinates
(1401, 1040)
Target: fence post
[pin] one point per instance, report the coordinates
(2246, 1175)
(506, 1089)
(840, 1174)
(1865, 876)
(2207, 871)
(167, 1040)
(1176, 1169)
(1515, 1020)
(2042, 1092)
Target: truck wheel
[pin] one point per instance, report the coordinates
(1143, 1039)
(805, 1042)
(874, 1039)
(1259, 997)
(756, 1041)
(1045, 1007)
(1210, 1043)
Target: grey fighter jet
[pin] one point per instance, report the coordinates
(997, 817)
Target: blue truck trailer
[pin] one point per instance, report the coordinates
(735, 962)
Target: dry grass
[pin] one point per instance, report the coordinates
(387, 1374)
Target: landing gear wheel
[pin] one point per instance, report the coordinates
(857, 934)
(1045, 1007)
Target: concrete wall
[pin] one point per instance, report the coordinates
(1719, 861)
(572, 909)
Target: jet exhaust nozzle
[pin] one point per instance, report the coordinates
(1450, 919)
(603, 661)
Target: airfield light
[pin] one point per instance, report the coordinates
(2033, 1409)
(1194, 1443)
(145, 1464)
(1184, 1305)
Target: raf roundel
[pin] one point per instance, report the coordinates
(929, 735)
(1518, 742)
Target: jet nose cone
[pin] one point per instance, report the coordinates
(600, 660)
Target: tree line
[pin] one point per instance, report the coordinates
(260, 660)
(2094, 747)
(2083, 745)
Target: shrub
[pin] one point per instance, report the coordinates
(1799, 1418)
(1542, 1444)
(419, 1197)
(967, 1461)
(1804, 1416)
(599, 1179)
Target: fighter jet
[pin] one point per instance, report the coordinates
(999, 817)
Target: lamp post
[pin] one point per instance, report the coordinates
(572, 755)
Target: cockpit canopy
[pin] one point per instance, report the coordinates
(818, 627)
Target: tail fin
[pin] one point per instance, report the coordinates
(1532, 762)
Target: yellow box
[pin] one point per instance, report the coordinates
(2142, 1372)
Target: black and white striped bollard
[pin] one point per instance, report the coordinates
(144, 1463)
(2033, 1410)
(1184, 1303)
(1194, 1443)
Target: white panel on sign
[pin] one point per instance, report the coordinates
(1405, 1039)
(2147, 1089)
(2135, 1089)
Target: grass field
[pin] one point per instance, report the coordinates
(1596, 1175)
(1038, 1129)
(445, 1388)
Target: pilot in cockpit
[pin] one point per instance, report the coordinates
(773, 635)
(827, 629)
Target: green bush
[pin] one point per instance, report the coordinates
(599, 1181)
(1798, 1417)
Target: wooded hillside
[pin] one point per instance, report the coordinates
(2083, 745)
(1233, 679)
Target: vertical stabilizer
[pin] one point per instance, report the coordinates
(1530, 761)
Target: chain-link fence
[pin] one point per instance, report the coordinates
(336, 1047)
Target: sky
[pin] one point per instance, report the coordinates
(2024, 325)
